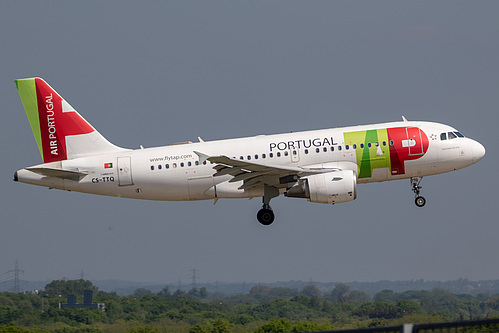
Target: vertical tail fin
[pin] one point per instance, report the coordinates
(60, 132)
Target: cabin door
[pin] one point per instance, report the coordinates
(125, 171)
(414, 141)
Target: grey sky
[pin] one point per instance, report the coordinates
(155, 73)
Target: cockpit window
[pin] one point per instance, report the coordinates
(450, 135)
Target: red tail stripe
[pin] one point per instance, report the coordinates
(56, 125)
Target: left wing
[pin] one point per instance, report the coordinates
(256, 174)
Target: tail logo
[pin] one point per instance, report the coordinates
(60, 132)
(51, 125)
(58, 120)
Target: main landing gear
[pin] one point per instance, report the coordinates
(266, 215)
(420, 201)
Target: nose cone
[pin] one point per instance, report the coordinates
(478, 151)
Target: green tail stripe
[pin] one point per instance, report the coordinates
(27, 91)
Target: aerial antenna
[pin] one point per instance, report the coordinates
(403, 118)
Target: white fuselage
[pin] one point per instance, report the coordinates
(177, 172)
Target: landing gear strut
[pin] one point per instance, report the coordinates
(420, 201)
(265, 215)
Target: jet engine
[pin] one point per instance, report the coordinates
(330, 188)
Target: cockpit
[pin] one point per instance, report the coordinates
(450, 135)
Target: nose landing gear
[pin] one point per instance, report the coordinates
(420, 201)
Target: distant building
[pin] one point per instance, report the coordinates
(87, 302)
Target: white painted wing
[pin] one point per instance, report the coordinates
(257, 173)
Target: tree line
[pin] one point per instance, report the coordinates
(263, 309)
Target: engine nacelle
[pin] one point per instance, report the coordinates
(330, 188)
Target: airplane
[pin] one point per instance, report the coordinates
(322, 166)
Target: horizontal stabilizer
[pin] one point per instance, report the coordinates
(58, 173)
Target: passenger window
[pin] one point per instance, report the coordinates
(249, 157)
(241, 158)
(391, 143)
(189, 163)
(256, 157)
(317, 150)
(182, 164)
(384, 143)
(168, 166)
(263, 155)
(197, 163)
(159, 167)
(204, 163)
(324, 149)
(306, 151)
(332, 148)
(294, 152)
(271, 155)
(174, 165)
(443, 136)
(369, 145)
(152, 167)
(339, 147)
(354, 146)
(377, 144)
(361, 145)
(286, 153)
(278, 154)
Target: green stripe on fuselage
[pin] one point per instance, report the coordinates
(368, 158)
(27, 91)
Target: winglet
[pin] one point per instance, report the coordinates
(202, 157)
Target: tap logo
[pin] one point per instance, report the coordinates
(387, 148)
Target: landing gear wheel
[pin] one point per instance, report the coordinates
(420, 201)
(265, 216)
